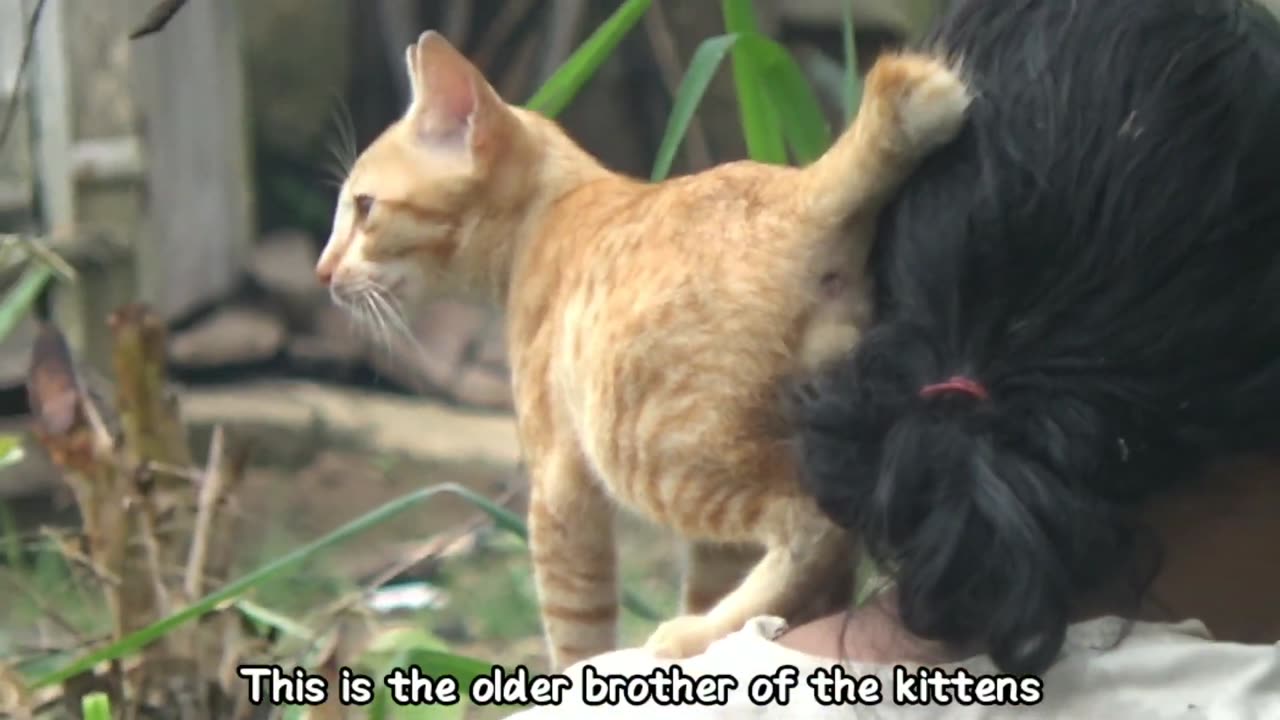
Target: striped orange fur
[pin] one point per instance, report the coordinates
(648, 325)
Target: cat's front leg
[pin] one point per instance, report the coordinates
(571, 538)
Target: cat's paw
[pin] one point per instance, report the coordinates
(684, 636)
(928, 99)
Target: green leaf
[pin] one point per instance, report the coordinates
(563, 85)
(380, 708)
(265, 617)
(780, 85)
(702, 68)
(404, 647)
(11, 450)
(740, 16)
(96, 706)
(502, 517)
(788, 90)
(19, 298)
(760, 124)
(852, 80)
(441, 662)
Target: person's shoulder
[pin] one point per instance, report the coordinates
(1109, 667)
(714, 685)
(1177, 668)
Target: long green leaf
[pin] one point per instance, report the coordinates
(272, 619)
(852, 79)
(760, 124)
(502, 517)
(144, 636)
(783, 86)
(702, 68)
(18, 300)
(11, 450)
(788, 91)
(404, 647)
(563, 85)
(440, 662)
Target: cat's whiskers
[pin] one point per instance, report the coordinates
(378, 323)
(358, 301)
(392, 313)
(343, 149)
(377, 313)
(347, 300)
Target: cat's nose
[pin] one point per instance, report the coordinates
(324, 274)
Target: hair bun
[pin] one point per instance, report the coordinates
(977, 510)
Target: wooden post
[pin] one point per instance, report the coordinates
(140, 154)
(81, 95)
(189, 83)
(16, 189)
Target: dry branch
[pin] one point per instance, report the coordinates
(153, 522)
(15, 94)
(159, 16)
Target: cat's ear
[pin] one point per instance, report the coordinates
(411, 69)
(451, 99)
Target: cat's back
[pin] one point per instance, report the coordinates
(691, 288)
(713, 258)
(725, 230)
(737, 206)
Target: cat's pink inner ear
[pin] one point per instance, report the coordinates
(446, 84)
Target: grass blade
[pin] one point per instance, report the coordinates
(760, 125)
(11, 450)
(702, 68)
(144, 636)
(267, 617)
(229, 593)
(563, 85)
(502, 517)
(787, 89)
(17, 301)
(852, 79)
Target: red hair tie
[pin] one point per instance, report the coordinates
(956, 384)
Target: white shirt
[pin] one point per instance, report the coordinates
(1153, 672)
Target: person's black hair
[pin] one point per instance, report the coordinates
(1098, 253)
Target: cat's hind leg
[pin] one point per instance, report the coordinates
(807, 560)
(712, 570)
(571, 539)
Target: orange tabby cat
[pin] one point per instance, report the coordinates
(648, 325)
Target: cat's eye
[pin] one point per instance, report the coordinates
(364, 205)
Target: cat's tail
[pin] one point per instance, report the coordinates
(912, 103)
